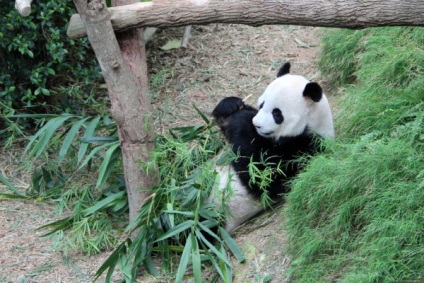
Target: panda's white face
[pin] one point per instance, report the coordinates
(285, 111)
(282, 108)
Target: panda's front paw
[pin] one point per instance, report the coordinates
(227, 107)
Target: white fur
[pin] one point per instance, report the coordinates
(242, 204)
(286, 93)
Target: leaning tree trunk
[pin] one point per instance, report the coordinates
(125, 74)
(324, 13)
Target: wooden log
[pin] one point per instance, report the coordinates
(341, 13)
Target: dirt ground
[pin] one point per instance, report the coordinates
(220, 61)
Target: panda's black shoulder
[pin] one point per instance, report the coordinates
(238, 128)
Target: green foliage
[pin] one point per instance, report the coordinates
(176, 222)
(70, 150)
(355, 214)
(35, 51)
(36, 57)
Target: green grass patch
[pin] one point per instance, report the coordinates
(355, 214)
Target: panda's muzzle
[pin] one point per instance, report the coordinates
(263, 134)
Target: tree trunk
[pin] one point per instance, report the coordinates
(341, 13)
(126, 78)
(133, 149)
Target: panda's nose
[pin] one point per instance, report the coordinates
(255, 125)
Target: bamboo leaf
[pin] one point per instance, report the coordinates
(92, 153)
(185, 213)
(104, 203)
(212, 248)
(182, 267)
(232, 245)
(201, 114)
(195, 259)
(10, 196)
(44, 135)
(112, 260)
(105, 167)
(10, 186)
(176, 230)
(225, 268)
(209, 231)
(89, 131)
(59, 225)
(99, 139)
(211, 258)
(70, 136)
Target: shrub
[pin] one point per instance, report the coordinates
(37, 56)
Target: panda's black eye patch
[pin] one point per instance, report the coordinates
(278, 116)
(262, 105)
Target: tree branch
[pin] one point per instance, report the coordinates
(324, 13)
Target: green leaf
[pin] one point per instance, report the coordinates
(10, 186)
(88, 133)
(225, 268)
(211, 247)
(176, 230)
(195, 259)
(92, 153)
(182, 267)
(45, 135)
(10, 196)
(105, 167)
(172, 44)
(69, 138)
(232, 245)
(201, 114)
(112, 260)
(59, 225)
(185, 213)
(104, 203)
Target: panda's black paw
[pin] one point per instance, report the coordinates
(227, 107)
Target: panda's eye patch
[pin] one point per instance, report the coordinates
(262, 105)
(278, 116)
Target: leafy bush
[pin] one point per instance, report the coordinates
(36, 56)
(68, 149)
(176, 223)
(356, 214)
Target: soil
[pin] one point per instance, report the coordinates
(220, 61)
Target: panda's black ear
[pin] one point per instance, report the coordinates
(313, 91)
(285, 69)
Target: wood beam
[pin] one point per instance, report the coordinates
(324, 13)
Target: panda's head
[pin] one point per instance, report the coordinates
(292, 105)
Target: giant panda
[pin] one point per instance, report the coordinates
(292, 113)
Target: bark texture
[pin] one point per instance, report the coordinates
(353, 14)
(125, 74)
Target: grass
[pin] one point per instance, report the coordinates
(355, 214)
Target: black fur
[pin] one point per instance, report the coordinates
(285, 69)
(227, 107)
(239, 131)
(313, 91)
